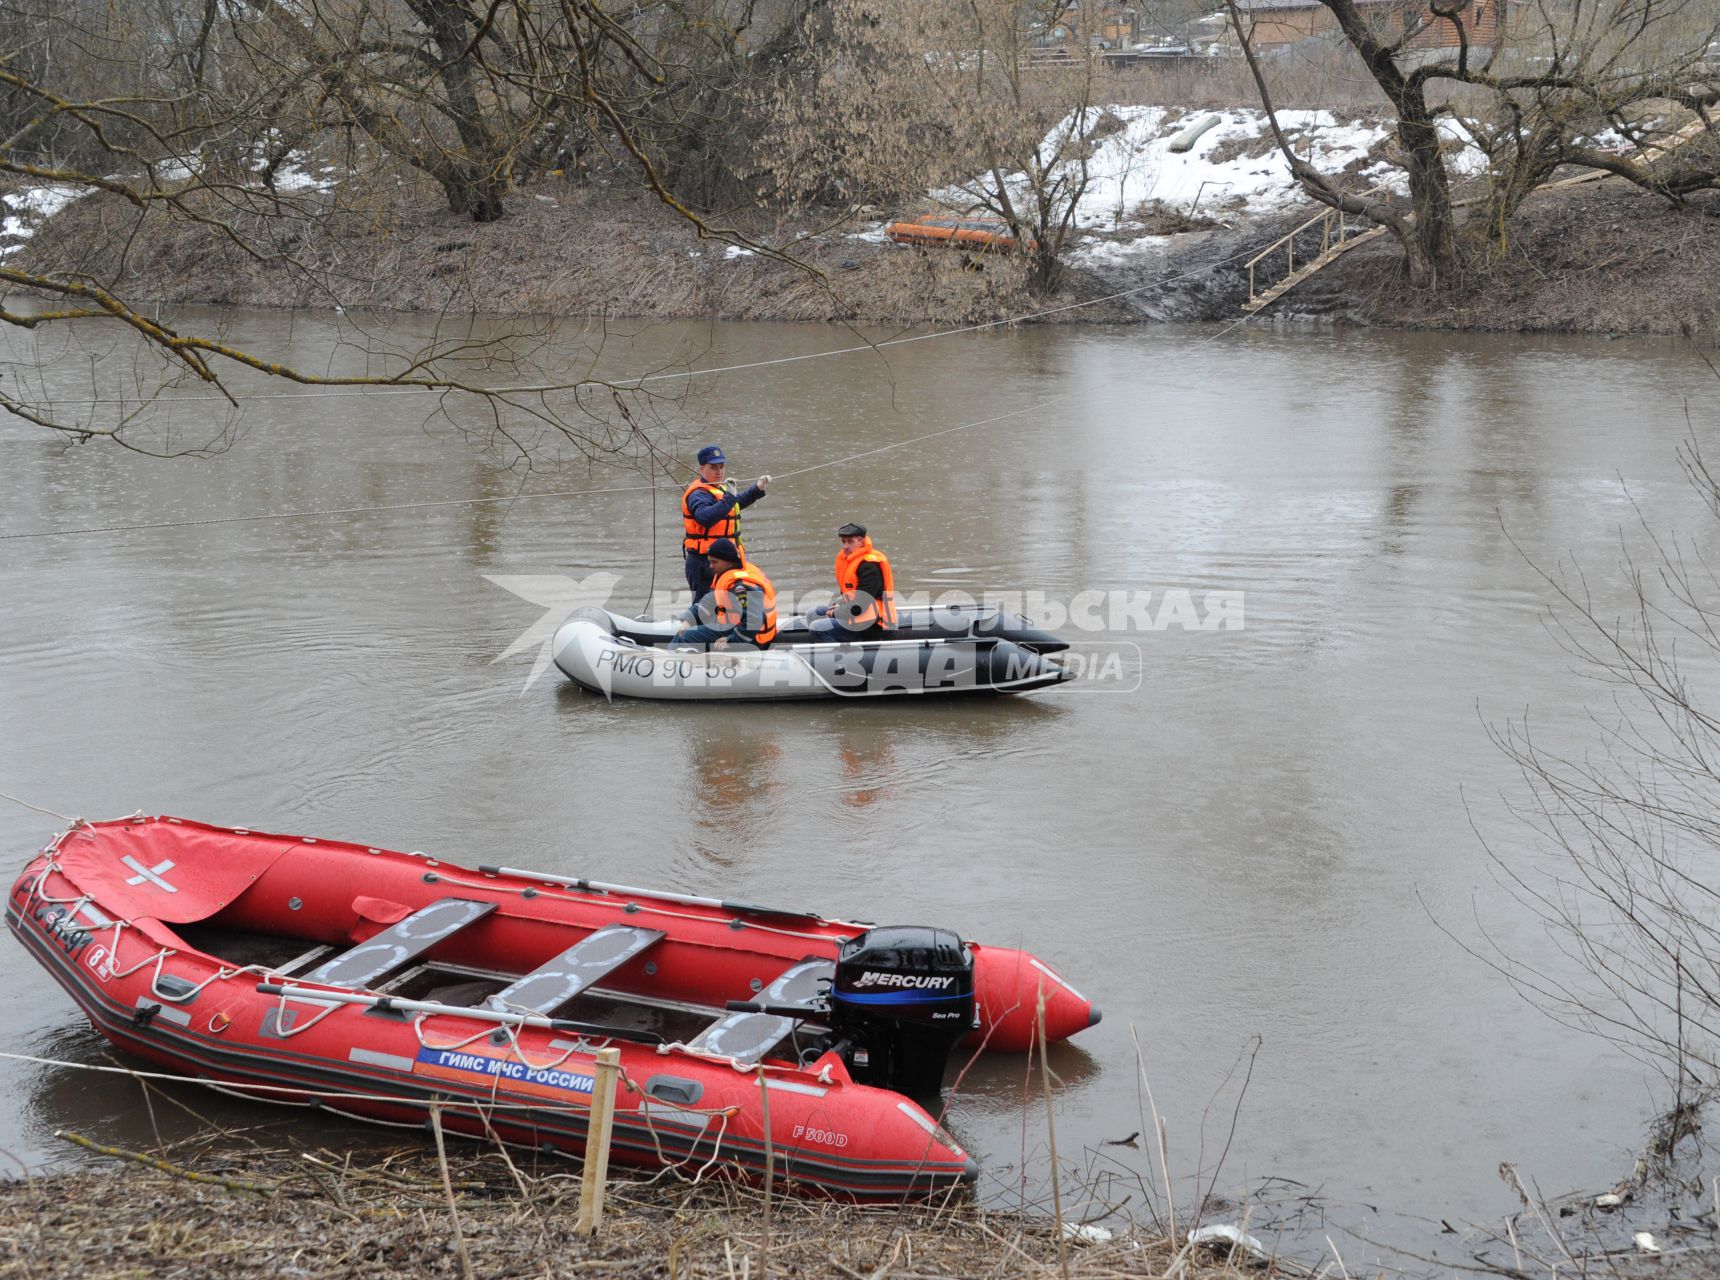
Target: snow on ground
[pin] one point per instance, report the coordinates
(291, 176)
(1233, 169)
(24, 210)
(293, 172)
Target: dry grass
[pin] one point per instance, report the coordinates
(308, 1212)
(1600, 258)
(562, 250)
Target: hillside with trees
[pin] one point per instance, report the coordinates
(725, 157)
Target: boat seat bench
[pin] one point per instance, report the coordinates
(747, 1037)
(400, 944)
(558, 980)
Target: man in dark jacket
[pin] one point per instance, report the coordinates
(710, 509)
(865, 604)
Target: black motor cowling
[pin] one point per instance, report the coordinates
(903, 996)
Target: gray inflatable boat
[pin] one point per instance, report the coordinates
(974, 650)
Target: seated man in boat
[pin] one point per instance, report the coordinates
(711, 509)
(865, 604)
(741, 610)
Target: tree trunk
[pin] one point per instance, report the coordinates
(1431, 248)
(1429, 194)
(476, 185)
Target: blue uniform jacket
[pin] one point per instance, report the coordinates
(708, 510)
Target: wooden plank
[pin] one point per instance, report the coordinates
(747, 1037)
(399, 944)
(557, 981)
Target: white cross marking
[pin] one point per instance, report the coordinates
(151, 874)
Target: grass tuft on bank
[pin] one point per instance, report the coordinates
(231, 1211)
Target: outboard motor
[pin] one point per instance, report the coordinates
(902, 998)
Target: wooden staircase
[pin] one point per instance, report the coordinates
(1338, 235)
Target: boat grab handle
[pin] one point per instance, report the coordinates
(394, 1004)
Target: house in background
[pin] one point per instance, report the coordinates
(1277, 23)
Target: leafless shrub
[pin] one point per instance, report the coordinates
(1630, 892)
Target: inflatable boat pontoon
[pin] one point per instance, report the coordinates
(373, 983)
(931, 651)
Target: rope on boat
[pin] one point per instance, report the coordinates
(39, 893)
(75, 822)
(610, 900)
(249, 1091)
(318, 1099)
(885, 692)
(578, 1045)
(291, 1095)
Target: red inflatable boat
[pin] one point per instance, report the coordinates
(373, 983)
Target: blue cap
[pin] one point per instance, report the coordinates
(711, 453)
(724, 549)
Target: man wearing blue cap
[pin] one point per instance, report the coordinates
(710, 509)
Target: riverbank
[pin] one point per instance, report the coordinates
(231, 1210)
(1602, 257)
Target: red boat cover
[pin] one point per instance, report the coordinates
(136, 870)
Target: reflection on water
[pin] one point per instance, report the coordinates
(733, 767)
(1267, 838)
(121, 1109)
(868, 766)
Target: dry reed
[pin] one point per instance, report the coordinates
(385, 1215)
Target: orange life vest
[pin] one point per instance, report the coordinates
(882, 612)
(760, 626)
(698, 537)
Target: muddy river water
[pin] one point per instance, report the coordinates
(1255, 847)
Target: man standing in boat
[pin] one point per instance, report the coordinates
(710, 509)
(865, 605)
(741, 612)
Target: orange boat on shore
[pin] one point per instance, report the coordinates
(986, 235)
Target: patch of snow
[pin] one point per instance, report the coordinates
(1093, 252)
(1463, 158)
(1134, 164)
(293, 171)
(873, 234)
(1223, 1235)
(27, 209)
(735, 251)
(1609, 139)
(290, 177)
(1087, 1233)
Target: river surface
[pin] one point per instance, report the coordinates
(1256, 850)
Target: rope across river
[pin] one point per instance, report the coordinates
(653, 489)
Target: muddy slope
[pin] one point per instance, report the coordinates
(1598, 258)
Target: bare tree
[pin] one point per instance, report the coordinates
(208, 114)
(1631, 890)
(478, 95)
(1553, 75)
(989, 104)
